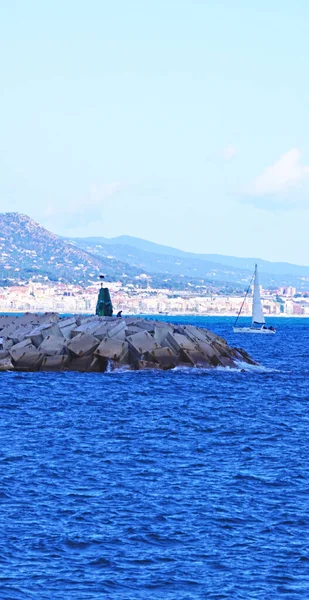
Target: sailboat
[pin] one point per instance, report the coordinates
(258, 319)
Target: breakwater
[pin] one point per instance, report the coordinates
(48, 342)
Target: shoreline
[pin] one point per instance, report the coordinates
(185, 314)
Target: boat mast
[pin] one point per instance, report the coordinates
(244, 300)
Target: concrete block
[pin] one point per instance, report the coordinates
(112, 349)
(49, 317)
(228, 362)
(99, 330)
(4, 354)
(88, 327)
(38, 334)
(109, 319)
(195, 358)
(83, 364)
(197, 333)
(29, 319)
(88, 319)
(36, 337)
(132, 329)
(1, 343)
(67, 325)
(26, 343)
(222, 349)
(165, 357)
(120, 335)
(211, 353)
(145, 325)
(126, 357)
(67, 331)
(83, 344)
(20, 333)
(26, 360)
(16, 353)
(6, 320)
(115, 328)
(9, 329)
(53, 345)
(140, 343)
(178, 342)
(242, 355)
(161, 332)
(66, 321)
(55, 363)
(7, 343)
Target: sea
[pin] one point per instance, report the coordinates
(181, 485)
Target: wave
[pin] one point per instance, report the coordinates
(240, 367)
(243, 366)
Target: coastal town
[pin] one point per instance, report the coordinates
(130, 299)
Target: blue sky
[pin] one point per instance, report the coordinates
(184, 122)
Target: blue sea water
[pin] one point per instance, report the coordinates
(187, 484)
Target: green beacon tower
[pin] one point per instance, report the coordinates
(104, 304)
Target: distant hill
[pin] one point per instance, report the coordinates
(160, 263)
(28, 250)
(211, 267)
(278, 268)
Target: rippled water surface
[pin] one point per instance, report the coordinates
(147, 485)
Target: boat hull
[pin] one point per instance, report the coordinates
(253, 330)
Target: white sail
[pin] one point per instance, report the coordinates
(257, 310)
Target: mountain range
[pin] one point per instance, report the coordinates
(215, 268)
(28, 250)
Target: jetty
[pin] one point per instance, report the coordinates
(50, 342)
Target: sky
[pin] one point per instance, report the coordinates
(183, 122)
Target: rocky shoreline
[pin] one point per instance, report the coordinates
(48, 342)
